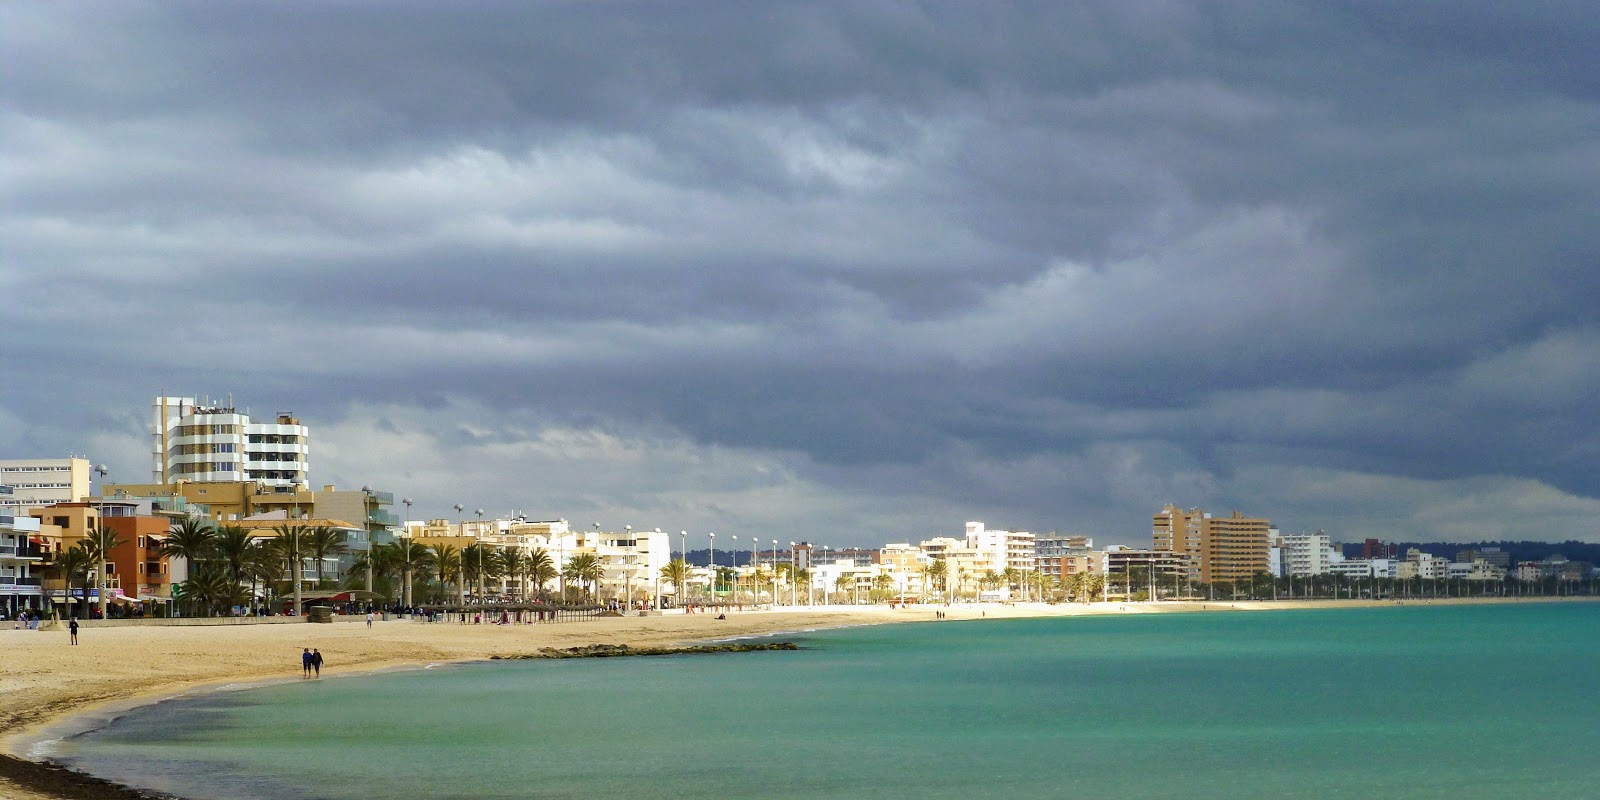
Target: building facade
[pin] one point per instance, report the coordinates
(195, 442)
(37, 482)
(1214, 549)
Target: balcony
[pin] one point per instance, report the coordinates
(381, 517)
(9, 580)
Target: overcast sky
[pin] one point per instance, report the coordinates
(847, 273)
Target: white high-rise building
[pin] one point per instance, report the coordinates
(1307, 554)
(192, 442)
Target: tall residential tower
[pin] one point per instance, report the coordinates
(192, 442)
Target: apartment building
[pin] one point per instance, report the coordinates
(37, 482)
(1214, 549)
(1307, 554)
(204, 442)
(21, 552)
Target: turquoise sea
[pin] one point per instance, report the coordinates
(1454, 702)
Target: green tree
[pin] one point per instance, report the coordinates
(322, 542)
(192, 539)
(542, 569)
(292, 542)
(586, 568)
(514, 565)
(412, 560)
(846, 584)
(263, 564)
(676, 572)
(100, 541)
(69, 566)
(232, 546)
(447, 563)
(939, 571)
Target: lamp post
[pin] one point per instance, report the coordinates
(477, 538)
(755, 570)
(733, 561)
(713, 585)
(794, 577)
(774, 573)
(101, 469)
(627, 576)
(461, 578)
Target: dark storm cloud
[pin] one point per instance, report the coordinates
(1054, 263)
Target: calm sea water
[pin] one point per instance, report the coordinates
(1406, 702)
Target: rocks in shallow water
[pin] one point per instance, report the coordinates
(614, 650)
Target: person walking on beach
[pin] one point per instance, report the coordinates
(369, 619)
(316, 661)
(305, 663)
(72, 627)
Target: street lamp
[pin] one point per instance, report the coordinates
(713, 538)
(101, 468)
(733, 561)
(774, 573)
(627, 576)
(461, 528)
(366, 493)
(794, 588)
(477, 538)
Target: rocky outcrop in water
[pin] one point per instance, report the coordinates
(618, 650)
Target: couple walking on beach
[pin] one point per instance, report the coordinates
(311, 660)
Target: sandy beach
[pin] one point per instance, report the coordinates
(46, 681)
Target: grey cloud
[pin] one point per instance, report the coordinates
(1046, 262)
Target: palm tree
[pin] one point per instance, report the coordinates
(447, 560)
(411, 558)
(211, 586)
(193, 540)
(586, 568)
(232, 545)
(939, 570)
(676, 572)
(100, 542)
(882, 582)
(514, 565)
(846, 583)
(541, 568)
(70, 564)
(324, 541)
(291, 542)
(263, 564)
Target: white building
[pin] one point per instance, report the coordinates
(1428, 567)
(1307, 554)
(1479, 570)
(19, 586)
(195, 442)
(38, 482)
(1366, 568)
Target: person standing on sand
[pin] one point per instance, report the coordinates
(305, 663)
(369, 619)
(316, 661)
(72, 627)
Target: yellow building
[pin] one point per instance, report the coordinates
(1216, 549)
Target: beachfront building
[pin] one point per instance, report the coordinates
(1214, 549)
(1478, 570)
(216, 442)
(38, 482)
(1058, 558)
(226, 502)
(1307, 554)
(1157, 573)
(1426, 566)
(21, 553)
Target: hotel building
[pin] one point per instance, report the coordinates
(1215, 549)
(195, 442)
(38, 482)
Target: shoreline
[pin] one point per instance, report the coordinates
(52, 691)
